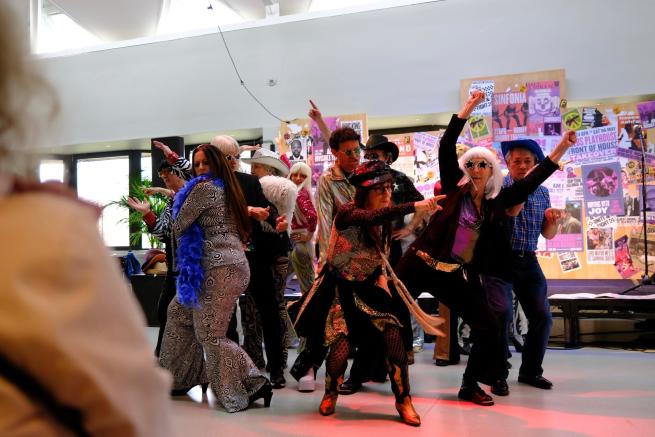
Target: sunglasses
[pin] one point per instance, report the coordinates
(381, 189)
(480, 164)
(232, 157)
(352, 153)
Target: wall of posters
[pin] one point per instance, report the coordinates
(301, 140)
(599, 189)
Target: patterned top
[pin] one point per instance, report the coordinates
(304, 216)
(333, 191)
(526, 227)
(160, 226)
(348, 252)
(206, 205)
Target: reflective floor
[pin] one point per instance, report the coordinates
(598, 392)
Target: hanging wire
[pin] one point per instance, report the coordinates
(236, 70)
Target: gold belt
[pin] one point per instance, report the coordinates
(437, 265)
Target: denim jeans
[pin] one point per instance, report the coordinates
(529, 285)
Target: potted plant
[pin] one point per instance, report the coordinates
(135, 220)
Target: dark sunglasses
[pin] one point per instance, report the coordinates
(480, 164)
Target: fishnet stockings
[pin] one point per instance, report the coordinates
(337, 361)
(397, 361)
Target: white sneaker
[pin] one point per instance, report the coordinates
(307, 382)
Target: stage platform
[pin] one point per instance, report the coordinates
(575, 300)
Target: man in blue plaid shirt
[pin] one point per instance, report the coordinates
(528, 221)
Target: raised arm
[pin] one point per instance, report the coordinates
(448, 167)
(315, 114)
(181, 163)
(568, 139)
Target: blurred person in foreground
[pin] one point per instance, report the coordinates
(74, 358)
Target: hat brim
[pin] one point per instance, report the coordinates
(388, 147)
(160, 257)
(367, 183)
(531, 145)
(269, 161)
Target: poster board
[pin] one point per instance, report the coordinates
(301, 140)
(602, 237)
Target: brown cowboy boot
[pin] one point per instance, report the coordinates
(400, 388)
(329, 401)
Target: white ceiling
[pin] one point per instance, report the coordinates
(119, 20)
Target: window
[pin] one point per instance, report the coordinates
(57, 31)
(51, 170)
(102, 181)
(187, 15)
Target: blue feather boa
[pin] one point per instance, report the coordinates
(190, 249)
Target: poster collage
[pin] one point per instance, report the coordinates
(599, 188)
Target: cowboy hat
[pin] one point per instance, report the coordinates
(269, 158)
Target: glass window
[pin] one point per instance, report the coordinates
(51, 170)
(57, 32)
(187, 15)
(102, 181)
(146, 166)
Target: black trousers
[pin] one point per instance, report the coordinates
(462, 292)
(262, 290)
(165, 298)
(369, 363)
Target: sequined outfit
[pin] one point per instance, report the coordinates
(351, 301)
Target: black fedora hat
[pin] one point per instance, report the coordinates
(380, 142)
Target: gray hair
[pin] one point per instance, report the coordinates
(495, 182)
(226, 144)
(508, 155)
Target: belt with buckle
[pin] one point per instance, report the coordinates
(437, 265)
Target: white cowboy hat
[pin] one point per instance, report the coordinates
(269, 158)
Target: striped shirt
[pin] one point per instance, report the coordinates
(526, 227)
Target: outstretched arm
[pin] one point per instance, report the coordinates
(349, 215)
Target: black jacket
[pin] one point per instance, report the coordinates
(493, 249)
(269, 243)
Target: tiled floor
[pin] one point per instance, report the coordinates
(598, 392)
